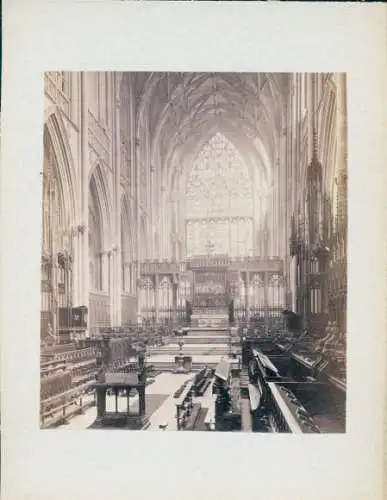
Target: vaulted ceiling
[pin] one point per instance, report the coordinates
(180, 112)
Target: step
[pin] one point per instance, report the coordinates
(208, 331)
(202, 339)
(193, 351)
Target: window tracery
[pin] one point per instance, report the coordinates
(219, 201)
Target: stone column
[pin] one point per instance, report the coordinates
(112, 272)
(125, 283)
(238, 290)
(342, 120)
(285, 211)
(104, 271)
(75, 266)
(117, 286)
(247, 290)
(131, 274)
(266, 299)
(342, 192)
(117, 190)
(156, 291)
(174, 300)
(84, 238)
(110, 285)
(138, 224)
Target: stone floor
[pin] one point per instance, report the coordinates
(160, 404)
(159, 400)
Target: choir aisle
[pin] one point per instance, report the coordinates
(160, 393)
(208, 241)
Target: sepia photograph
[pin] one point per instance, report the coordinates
(194, 252)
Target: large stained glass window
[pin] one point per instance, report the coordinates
(219, 217)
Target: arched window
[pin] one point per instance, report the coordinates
(219, 206)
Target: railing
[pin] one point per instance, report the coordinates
(76, 355)
(256, 264)
(164, 316)
(208, 261)
(257, 314)
(281, 417)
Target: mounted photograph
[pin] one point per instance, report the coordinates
(194, 252)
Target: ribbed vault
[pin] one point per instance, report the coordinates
(178, 113)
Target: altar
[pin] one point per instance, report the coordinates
(210, 294)
(208, 320)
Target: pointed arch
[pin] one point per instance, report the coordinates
(219, 165)
(99, 182)
(127, 230)
(59, 216)
(127, 244)
(64, 164)
(328, 136)
(144, 237)
(96, 246)
(219, 206)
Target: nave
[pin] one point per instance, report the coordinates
(194, 252)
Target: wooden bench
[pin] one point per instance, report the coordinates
(203, 387)
(192, 419)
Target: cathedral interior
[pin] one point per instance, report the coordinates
(194, 252)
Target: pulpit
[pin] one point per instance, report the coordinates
(119, 377)
(120, 384)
